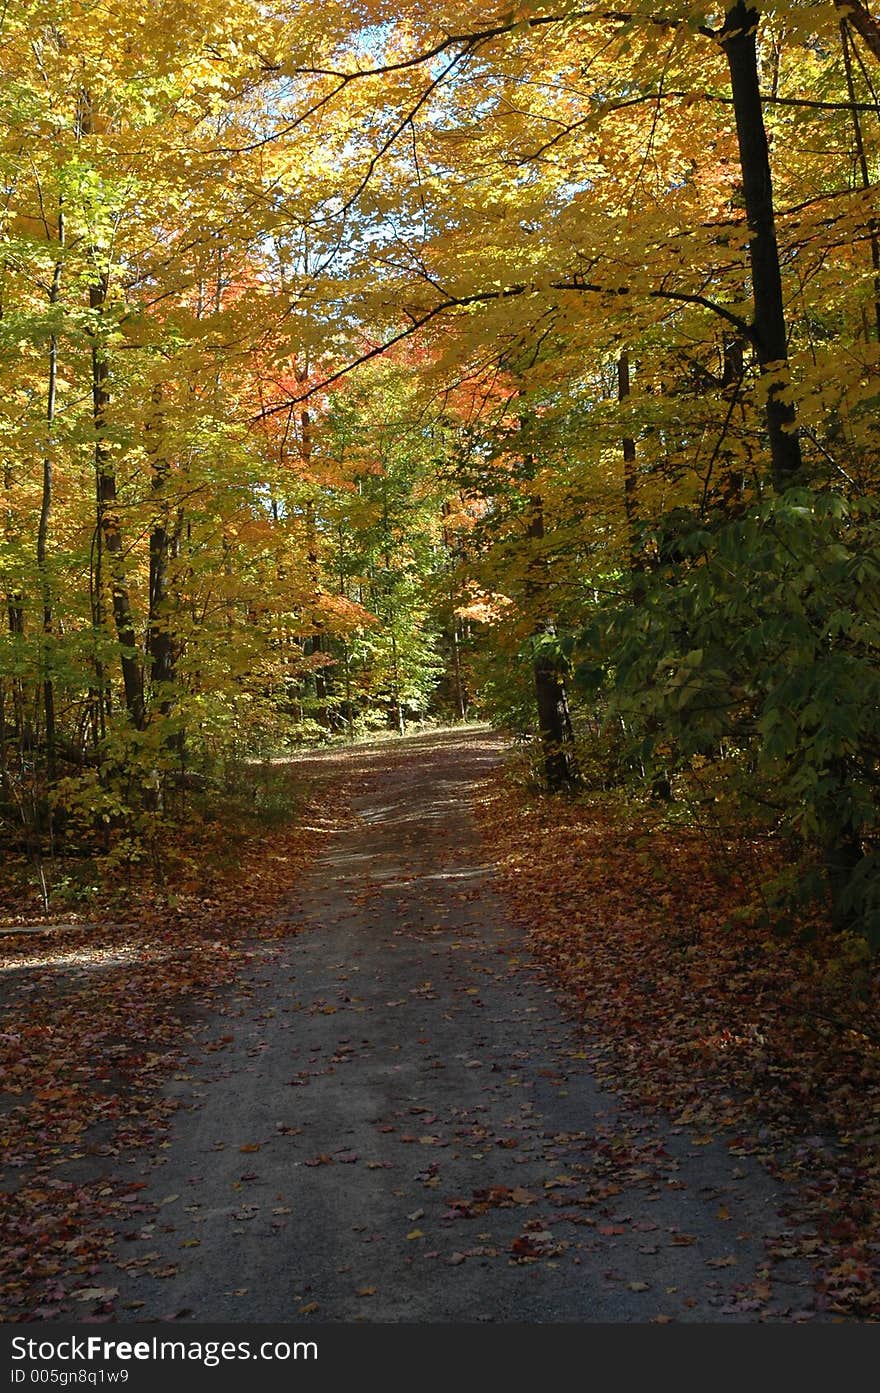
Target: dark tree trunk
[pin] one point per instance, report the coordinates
(109, 525)
(554, 723)
(163, 539)
(4, 766)
(15, 622)
(843, 846)
(771, 345)
(733, 479)
(858, 139)
(109, 528)
(454, 629)
(630, 457)
(551, 700)
(160, 645)
(45, 512)
(630, 482)
(842, 856)
(15, 617)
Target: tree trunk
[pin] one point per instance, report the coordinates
(109, 531)
(843, 848)
(454, 628)
(551, 699)
(346, 654)
(460, 700)
(15, 623)
(630, 483)
(733, 479)
(738, 40)
(160, 644)
(4, 765)
(109, 525)
(395, 677)
(873, 229)
(45, 512)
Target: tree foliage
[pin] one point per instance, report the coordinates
(360, 365)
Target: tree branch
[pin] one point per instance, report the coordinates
(419, 321)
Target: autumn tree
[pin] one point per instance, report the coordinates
(333, 337)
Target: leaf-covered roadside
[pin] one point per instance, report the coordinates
(730, 1028)
(97, 1017)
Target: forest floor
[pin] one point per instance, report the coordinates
(405, 1062)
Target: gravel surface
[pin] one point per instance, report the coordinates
(400, 1124)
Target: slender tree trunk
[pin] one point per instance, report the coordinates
(109, 526)
(301, 374)
(454, 629)
(161, 648)
(551, 699)
(45, 512)
(109, 529)
(160, 643)
(395, 677)
(873, 230)
(315, 643)
(733, 480)
(5, 784)
(630, 481)
(15, 624)
(312, 553)
(349, 709)
(392, 615)
(460, 701)
(346, 653)
(661, 788)
(97, 694)
(738, 40)
(843, 845)
(4, 764)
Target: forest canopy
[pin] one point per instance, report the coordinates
(366, 363)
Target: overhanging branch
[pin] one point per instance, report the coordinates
(486, 297)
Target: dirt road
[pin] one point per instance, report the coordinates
(400, 1123)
